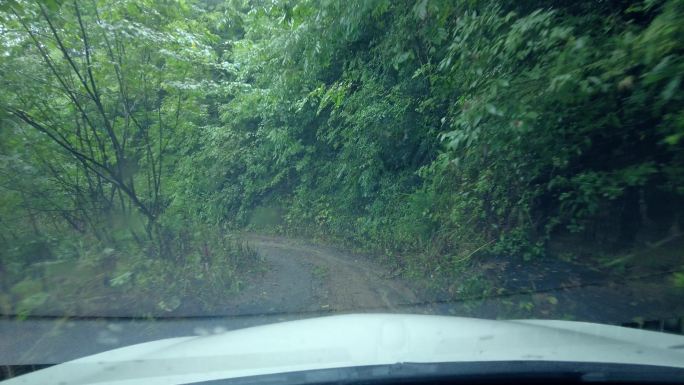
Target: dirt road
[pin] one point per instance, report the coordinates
(301, 280)
(298, 280)
(301, 277)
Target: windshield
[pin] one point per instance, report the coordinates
(190, 167)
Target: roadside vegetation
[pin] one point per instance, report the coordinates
(443, 136)
(438, 134)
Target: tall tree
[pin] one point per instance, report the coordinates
(107, 84)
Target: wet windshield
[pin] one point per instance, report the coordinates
(173, 168)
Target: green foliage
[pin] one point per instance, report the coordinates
(678, 279)
(98, 102)
(204, 268)
(210, 269)
(431, 132)
(454, 128)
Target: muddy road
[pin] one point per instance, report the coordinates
(303, 278)
(299, 280)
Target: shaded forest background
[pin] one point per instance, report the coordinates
(137, 136)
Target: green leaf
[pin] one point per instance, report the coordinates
(674, 138)
(671, 88)
(52, 5)
(421, 9)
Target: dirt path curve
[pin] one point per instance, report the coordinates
(302, 277)
(299, 280)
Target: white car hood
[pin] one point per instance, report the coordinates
(362, 340)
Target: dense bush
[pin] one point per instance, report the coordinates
(98, 102)
(454, 128)
(429, 131)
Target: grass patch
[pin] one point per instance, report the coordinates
(321, 273)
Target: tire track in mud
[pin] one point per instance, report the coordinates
(302, 277)
(352, 283)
